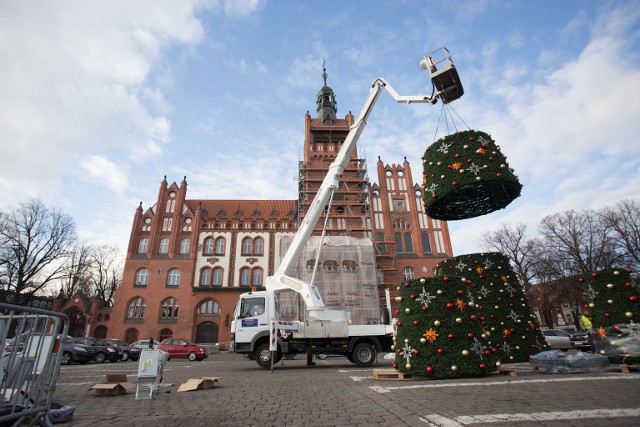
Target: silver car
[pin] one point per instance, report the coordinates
(557, 339)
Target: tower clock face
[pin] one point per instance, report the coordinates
(398, 205)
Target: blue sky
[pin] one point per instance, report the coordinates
(99, 100)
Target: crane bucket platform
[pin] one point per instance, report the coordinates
(444, 75)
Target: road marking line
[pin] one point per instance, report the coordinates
(436, 420)
(381, 389)
(344, 371)
(465, 420)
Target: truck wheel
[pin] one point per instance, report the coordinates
(263, 356)
(364, 354)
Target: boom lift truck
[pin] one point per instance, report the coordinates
(290, 317)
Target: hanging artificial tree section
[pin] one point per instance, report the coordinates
(613, 301)
(504, 308)
(466, 176)
(439, 334)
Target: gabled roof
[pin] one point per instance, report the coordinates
(250, 210)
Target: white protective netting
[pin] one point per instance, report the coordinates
(345, 276)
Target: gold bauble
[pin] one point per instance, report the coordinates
(465, 353)
(454, 368)
(591, 305)
(437, 323)
(609, 301)
(407, 310)
(610, 285)
(629, 314)
(393, 348)
(408, 366)
(398, 299)
(423, 340)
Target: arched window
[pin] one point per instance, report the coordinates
(184, 246)
(208, 246)
(164, 246)
(136, 308)
(205, 277)
(99, 317)
(246, 246)
(220, 244)
(245, 277)
(173, 278)
(258, 246)
(208, 309)
(107, 317)
(165, 333)
(257, 277)
(169, 309)
(217, 277)
(426, 244)
(407, 273)
(142, 277)
(143, 245)
(408, 243)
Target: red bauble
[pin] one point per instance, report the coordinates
(415, 323)
(472, 317)
(399, 323)
(440, 351)
(407, 284)
(449, 306)
(482, 366)
(416, 352)
(607, 315)
(445, 278)
(469, 335)
(395, 365)
(424, 308)
(594, 274)
(450, 336)
(412, 296)
(429, 369)
(632, 298)
(460, 292)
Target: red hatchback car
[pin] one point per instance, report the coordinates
(180, 348)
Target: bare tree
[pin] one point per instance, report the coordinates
(575, 242)
(624, 221)
(106, 272)
(77, 273)
(512, 242)
(35, 242)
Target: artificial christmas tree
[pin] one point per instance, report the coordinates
(465, 176)
(439, 333)
(613, 301)
(501, 301)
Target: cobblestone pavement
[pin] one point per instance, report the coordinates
(338, 393)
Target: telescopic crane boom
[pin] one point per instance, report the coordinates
(446, 86)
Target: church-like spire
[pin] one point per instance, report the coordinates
(327, 107)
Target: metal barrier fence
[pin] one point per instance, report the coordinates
(32, 347)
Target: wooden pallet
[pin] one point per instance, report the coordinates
(628, 368)
(507, 371)
(391, 374)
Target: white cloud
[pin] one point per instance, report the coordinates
(75, 80)
(105, 172)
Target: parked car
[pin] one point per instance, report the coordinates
(180, 348)
(580, 340)
(144, 344)
(73, 351)
(103, 351)
(128, 352)
(557, 339)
